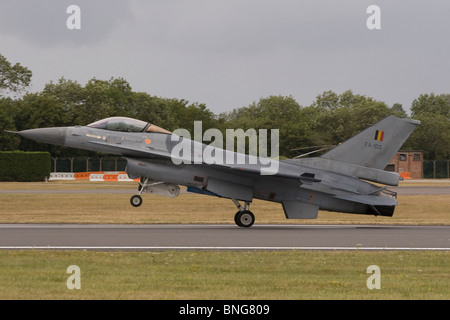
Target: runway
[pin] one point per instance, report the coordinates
(223, 237)
(42, 188)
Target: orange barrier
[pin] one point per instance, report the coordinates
(82, 175)
(405, 175)
(110, 177)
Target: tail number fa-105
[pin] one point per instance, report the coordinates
(377, 146)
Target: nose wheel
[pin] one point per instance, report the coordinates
(136, 200)
(244, 217)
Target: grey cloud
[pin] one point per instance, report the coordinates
(43, 22)
(228, 53)
(253, 26)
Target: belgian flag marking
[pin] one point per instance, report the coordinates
(379, 135)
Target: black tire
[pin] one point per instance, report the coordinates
(244, 219)
(236, 218)
(136, 200)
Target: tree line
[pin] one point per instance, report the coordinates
(331, 119)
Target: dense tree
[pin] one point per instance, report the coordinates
(71, 95)
(398, 110)
(8, 141)
(275, 112)
(151, 109)
(13, 78)
(433, 135)
(342, 116)
(37, 110)
(431, 103)
(183, 115)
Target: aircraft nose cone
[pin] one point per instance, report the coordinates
(47, 135)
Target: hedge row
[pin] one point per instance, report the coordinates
(24, 166)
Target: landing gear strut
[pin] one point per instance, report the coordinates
(136, 200)
(244, 217)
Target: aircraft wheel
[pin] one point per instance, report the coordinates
(136, 200)
(244, 219)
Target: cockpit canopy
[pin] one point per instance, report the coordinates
(124, 124)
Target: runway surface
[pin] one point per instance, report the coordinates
(223, 237)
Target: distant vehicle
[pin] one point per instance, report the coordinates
(335, 181)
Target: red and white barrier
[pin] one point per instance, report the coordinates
(91, 176)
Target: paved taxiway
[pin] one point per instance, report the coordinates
(41, 188)
(228, 237)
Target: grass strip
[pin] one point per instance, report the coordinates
(33, 274)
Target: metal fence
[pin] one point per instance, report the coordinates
(88, 164)
(436, 169)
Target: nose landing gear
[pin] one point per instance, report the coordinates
(161, 188)
(136, 200)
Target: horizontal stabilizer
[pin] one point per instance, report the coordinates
(300, 210)
(349, 169)
(369, 200)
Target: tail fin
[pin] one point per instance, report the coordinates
(375, 146)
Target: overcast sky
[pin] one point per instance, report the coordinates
(229, 53)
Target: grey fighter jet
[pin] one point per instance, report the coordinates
(335, 181)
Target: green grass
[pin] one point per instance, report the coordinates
(18, 206)
(224, 275)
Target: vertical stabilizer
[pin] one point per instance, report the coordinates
(375, 146)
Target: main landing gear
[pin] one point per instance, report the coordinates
(244, 217)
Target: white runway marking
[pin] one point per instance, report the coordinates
(156, 248)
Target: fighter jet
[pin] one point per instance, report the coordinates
(339, 180)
